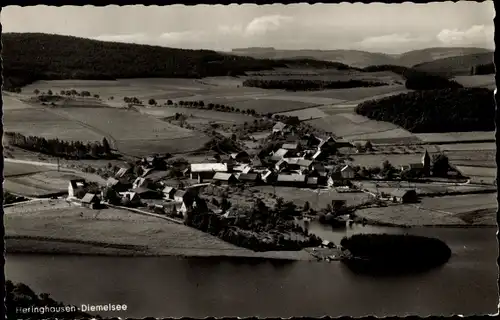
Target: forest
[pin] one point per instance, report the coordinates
(434, 111)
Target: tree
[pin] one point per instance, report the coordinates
(388, 170)
(49, 92)
(96, 96)
(169, 102)
(307, 207)
(152, 102)
(440, 165)
(105, 145)
(36, 91)
(368, 145)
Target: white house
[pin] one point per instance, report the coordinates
(347, 172)
(207, 170)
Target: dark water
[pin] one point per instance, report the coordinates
(174, 287)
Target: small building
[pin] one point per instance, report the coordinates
(347, 172)
(225, 178)
(90, 200)
(74, 185)
(318, 155)
(207, 170)
(179, 195)
(280, 127)
(241, 156)
(169, 192)
(118, 185)
(404, 196)
(312, 182)
(191, 203)
(295, 180)
(279, 154)
(248, 177)
(281, 165)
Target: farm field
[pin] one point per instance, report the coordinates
(265, 105)
(85, 231)
(455, 136)
(478, 171)
(165, 112)
(485, 81)
(316, 201)
(409, 215)
(44, 123)
(397, 160)
(39, 184)
(461, 203)
(135, 133)
(12, 102)
(488, 146)
(326, 75)
(18, 169)
(483, 158)
(357, 95)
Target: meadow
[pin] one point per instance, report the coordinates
(18, 169)
(484, 81)
(209, 115)
(461, 203)
(455, 136)
(468, 146)
(483, 158)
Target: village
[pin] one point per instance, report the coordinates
(227, 185)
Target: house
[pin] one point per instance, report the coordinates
(226, 178)
(146, 193)
(248, 177)
(122, 172)
(298, 164)
(267, 176)
(278, 154)
(347, 172)
(404, 196)
(74, 185)
(118, 185)
(132, 197)
(169, 192)
(241, 156)
(207, 170)
(90, 200)
(342, 143)
(279, 127)
(291, 147)
(280, 165)
(141, 183)
(191, 203)
(291, 179)
(147, 171)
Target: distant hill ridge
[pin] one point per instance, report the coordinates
(357, 58)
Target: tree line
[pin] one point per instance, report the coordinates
(433, 111)
(61, 148)
(309, 85)
(418, 80)
(252, 224)
(482, 69)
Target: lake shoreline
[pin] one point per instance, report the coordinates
(28, 245)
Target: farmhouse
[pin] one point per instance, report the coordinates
(132, 197)
(295, 180)
(207, 170)
(241, 156)
(404, 196)
(146, 193)
(74, 185)
(280, 127)
(90, 200)
(191, 203)
(298, 164)
(347, 172)
(169, 192)
(279, 154)
(226, 178)
(281, 165)
(141, 183)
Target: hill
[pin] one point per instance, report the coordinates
(28, 57)
(361, 59)
(433, 111)
(457, 65)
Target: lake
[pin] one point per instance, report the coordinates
(201, 287)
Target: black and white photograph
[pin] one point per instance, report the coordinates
(300, 160)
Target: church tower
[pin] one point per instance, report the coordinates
(426, 162)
